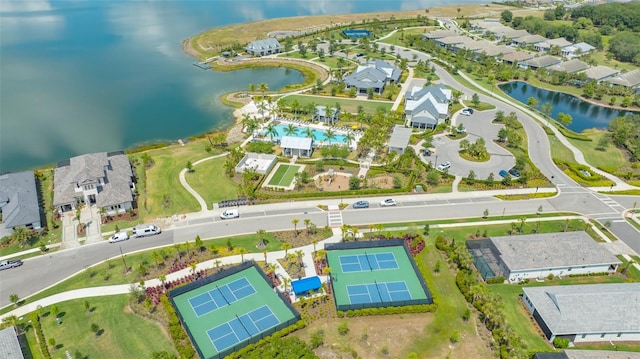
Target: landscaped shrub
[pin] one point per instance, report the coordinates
(37, 327)
(177, 333)
(561, 343)
(496, 280)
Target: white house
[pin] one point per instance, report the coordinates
(426, 107)
(18, 202)
(263, 47)
(102, 179)
(577, 50)
(375, 75)
(532, 256)
(586, 313)
(296, 146)
(399, 139)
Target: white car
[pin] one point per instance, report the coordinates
(118, 237)
(389, 202)
(444, 165)
(467, 112)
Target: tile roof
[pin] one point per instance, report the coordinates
(19, 193)
(551, 250)
(591, 308)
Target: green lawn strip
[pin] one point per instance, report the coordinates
(124, 335)
(517, 197)
(604, 230)
(210, 181)
(559, 151)
(346, 104)
(610, 159)
(632, 271)
(451, 306)
(633, 192)
(483, 106)
(493, 230)
(609, 347)
(514, 311)
(111, 226)
(112, 269)
(163, 180)
(633, 223)
(397, 38)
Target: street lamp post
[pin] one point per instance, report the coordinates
(436, 164)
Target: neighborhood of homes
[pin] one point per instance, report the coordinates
(578, 312)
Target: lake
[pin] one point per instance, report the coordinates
(87, 76)
(584, 114)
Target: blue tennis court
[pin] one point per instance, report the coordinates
(223, 295)
(242, 328)
(368, 262)
(378, 292)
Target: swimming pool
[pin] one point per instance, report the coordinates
(319, 135)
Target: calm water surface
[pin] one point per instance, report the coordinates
(85, 76)
(584, 114)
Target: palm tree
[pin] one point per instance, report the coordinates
(242, 251)
(271, 131)
(217, 262)
(329, 135)
(355, 233)
(163, 279)
(307, 223)
(295, 222)
(285, 246)
(295, 106)
(264, 253)
(349, 137)
(290, 130)
(280, 105)
(262, 106)
(193, 266)
(308, 132)
(299, 254)
(252, 88)
(370, 231)
(261, 234)
(286, 281)
(263, 87)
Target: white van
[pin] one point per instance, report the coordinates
(118, 237)
(146, 230)
(230, 213)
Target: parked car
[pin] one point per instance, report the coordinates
(361, 204)
(389, 202)
(118, 237)
(503, 173)
(444, 165)
(514, 172)
(426, 152)
(359, 54)
(146, 230)
(10, 264)
(467, 112)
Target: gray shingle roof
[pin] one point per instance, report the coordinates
(437, 34)
(495, 50)
(298, 143)
(599, 354)
(400, 137)
(591, 308)
(582, 46)
(600, 72)
(427, 104)
(570, 66)
(9, 344)
(85, 169)
(269, 44)
(627, 79)
(373, 75)
(542, 61)
(18, 192)
(454, 40)
(530, 39)
(517, 56)
(551, 250)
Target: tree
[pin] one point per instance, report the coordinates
(506, 16)
(564, 118)
(54, 311)
(263, 87)
(242, 251)
(52, 343)
(506, 180)
(285, 246)
(87, 307)
(307, 223)
(490, 179)
(310, 133)
(295, 222)
(189, 167)
(547, 108)
(299, 254)
(290, 130)
(475, 100)
(471, 177)
(485, 214)
(532, 102)
(14, 299)
(502, 134)
(261, 237)
(271, 131)
(329, 135)
(95, 328)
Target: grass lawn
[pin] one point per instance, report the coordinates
(346, 104)
(483, 106)
(612, 157)
(124, 335)
(396, 40)
(560, 151)
(503, 229)
(284, 175)
(210, 181)
(514, 311)
(162, 179)
(332, 62)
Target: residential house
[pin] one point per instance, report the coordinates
(264, 47)
(540, 62)
(547, 45)
(477, 45)
(328, 116)
(600, 73)
(587, 354)
(508, 34)
(10, 347)
(426, 107)
(375, 75)
(628, 79)
(517, 57)
(483, 25)
(102, 179)
(576, 50)
(399, 139)
(454, 43)
(586, 313)
(532, 256)
(296, 146)
(495, 51)
(571, 66)
(438, 34)
(19, 202)
(526, 40)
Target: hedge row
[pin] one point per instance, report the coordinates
(35, 321)
(598, 274)
(418, 308)
(180, 340)
(570, 134)
(246, 351)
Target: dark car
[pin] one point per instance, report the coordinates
(10, 264)
(503, 173)
(361, 204)
(514, 172)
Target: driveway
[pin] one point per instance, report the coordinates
(478, 125)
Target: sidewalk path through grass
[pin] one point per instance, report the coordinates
(196, 195)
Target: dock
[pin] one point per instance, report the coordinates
(202, 65)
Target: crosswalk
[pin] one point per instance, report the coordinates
(334, 218)
(617, 207)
